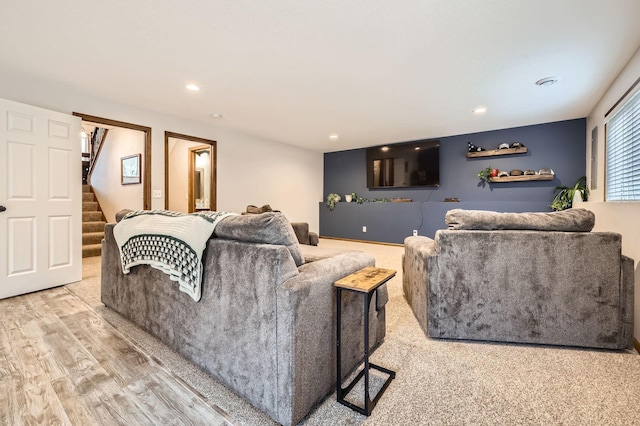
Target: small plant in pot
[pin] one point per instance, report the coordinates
(332, 199)
(564, 195)
(485, 175)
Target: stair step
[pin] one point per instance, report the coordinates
(96, 226)
(88, 196)
(92, 250)
(91, 216)
(92, 238)
(89, 206)
(86, 188)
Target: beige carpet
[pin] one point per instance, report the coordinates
(441, 382)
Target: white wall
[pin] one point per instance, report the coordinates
(106, 177)
(623, 218)
(250, 170)
(178, 175)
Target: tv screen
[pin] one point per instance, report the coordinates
(404, 165)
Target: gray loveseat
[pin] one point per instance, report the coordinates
(265, 324)
(522, 277)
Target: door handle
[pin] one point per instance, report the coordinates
(2, 208)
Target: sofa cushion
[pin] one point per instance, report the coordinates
(266, 228)
(315, 253)
(571, 220)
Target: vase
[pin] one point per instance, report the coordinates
(347, 198)
(577, 198)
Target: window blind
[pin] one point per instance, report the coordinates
(623, 153)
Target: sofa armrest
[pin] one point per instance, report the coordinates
(304, 236)
(306, 329)
(416, 263)
(314, 239)
(627, 284)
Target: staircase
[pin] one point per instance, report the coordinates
(92, 223)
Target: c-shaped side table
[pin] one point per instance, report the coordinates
(364, 281)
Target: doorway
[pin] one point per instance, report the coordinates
(145, 155)
(190, 173)
(121, 149)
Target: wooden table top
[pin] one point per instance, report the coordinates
(366, 280)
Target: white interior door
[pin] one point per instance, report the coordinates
(41, 189)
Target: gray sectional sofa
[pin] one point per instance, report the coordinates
(522, 277)
(265, 323)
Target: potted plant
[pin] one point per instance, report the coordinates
(485, 175)
(332, 199)
(564, 195)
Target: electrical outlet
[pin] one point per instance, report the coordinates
(415, 232)
(364, 229)
(157, 193)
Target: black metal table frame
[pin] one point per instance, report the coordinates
(369, 404)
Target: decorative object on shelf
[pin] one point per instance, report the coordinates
(503, 146)
(515, 172)
(332, 199)
(503, 174)
(348, 198)
(452, 200)
(361, 200)
(565, 195)
(546, 172)
(516, 145)
(473, 148)
(356, 199)
(530, 172)
(401, 200)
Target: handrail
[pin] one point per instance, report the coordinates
(98, 137)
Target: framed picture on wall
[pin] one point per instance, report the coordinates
(130, 169)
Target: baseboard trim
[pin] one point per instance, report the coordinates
(636, 345)
(363, 241)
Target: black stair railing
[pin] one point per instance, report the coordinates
(96, 141)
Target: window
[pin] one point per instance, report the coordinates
(623, 153)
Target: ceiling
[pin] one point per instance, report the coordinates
(294, 71)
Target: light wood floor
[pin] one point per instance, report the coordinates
(60, 363)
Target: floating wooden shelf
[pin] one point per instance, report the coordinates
(522, 178)
(496, 152)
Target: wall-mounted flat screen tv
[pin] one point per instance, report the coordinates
(404, 165)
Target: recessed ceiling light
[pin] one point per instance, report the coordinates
(481, 109)
(192, 87)
(216, 115)
(333, 136)
(547, 81)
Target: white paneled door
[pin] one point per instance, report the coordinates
(41, 199)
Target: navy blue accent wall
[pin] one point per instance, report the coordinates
(559, 146)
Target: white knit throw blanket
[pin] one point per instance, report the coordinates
(172, 242)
